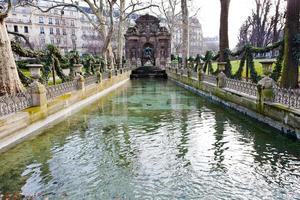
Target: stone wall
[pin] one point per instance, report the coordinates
(16, 127)
(279, 116)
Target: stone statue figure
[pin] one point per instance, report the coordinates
(148, 54)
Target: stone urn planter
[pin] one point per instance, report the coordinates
(266, 84)
(267, 66)
(78, 68)
(35, 71)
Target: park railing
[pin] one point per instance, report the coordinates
(13, 103)
(90, 80)
(242, 87)
(60, 89)
(289, 97)
(211, 79)
(249, 89)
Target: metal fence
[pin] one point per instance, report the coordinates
(14, 103)
(90, 80)
(245, 87)
(209, 79)
(288, 97)
(60, 89)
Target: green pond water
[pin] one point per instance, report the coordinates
(151, 139)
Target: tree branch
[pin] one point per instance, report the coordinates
(22, 36)
(140, 9)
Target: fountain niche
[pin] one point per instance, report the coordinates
(148, 47)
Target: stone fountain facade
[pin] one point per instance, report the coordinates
(148, 43)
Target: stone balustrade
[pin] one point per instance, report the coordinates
(265, 91)
(38, 95)
(14, 103)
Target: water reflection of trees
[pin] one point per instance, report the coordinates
(219, 149)
(274, 155)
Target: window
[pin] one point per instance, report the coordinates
(72, 22)
(57, 41)
(43, 41)
(52, 41)
(64, 32)
(16, 28)
(57, 21)
(42, 31)
(63, 21)
(41, 20)
(73, 31)
(25, 29)
(65, 42)
(57, 31)
(51, 31)
(50, 20)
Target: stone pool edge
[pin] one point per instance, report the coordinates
(38, 126)
(280, 119)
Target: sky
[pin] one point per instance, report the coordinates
(209, 17)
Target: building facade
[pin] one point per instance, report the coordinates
(68, 29)
(195, 38)
(211, 44)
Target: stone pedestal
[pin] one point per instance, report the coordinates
(99, 76)
(80, 82)
(39, 94)
(221, 80)
(265, 88)
(110, 74)
(199, 73)
(188, 73)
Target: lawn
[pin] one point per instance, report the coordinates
(50, 82)
(236, 63)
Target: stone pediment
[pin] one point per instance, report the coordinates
(147, 25)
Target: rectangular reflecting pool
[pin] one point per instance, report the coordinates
(151, 139)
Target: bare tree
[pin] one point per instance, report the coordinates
(290, 71)
(263, 27)
(185, 32)
(9, 79)
(223, 32)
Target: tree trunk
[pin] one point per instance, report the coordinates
(120, 33)
(290, 71)
(223, 33)
(185, 32)
(10, 82)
